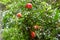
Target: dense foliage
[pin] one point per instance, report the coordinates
(31, 20)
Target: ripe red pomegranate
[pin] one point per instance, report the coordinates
(29, 5)
(33, 34)
(19, 15)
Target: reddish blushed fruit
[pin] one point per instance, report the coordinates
(29, 5)
(19, 15)
(36, 27)
(33, 34)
